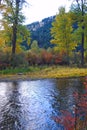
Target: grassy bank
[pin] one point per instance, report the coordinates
(42, 72)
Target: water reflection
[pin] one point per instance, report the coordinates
(11, 111)
(30, 105)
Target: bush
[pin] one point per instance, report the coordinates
(19, 60)
(46, 57)
(4, 60)
(31, 58)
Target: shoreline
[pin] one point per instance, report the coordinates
(11, 79)
(27, 78)
(49, 72)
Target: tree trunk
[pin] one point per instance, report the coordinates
(14, 39)
(15, 24)
(82, 50)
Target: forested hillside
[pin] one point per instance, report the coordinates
(40, 31)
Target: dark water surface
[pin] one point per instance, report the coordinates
(30, 105)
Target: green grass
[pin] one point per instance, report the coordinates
(19, 70)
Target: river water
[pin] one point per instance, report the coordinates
(30, 105)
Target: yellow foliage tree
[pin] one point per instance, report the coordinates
(14, 32)
(61, 32)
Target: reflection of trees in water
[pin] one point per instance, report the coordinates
(81, 109)
(65, 88)
(77, 119)
(11, 114)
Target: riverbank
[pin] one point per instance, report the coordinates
(45, 72)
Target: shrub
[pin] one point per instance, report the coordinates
(31, 58)
(4, 60)
(46, 57)
(19, 60)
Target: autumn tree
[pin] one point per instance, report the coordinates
(79, 8)
(12, 20)
(61, 32)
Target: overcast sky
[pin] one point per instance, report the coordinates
(39, 9)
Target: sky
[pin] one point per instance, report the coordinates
(40, 9)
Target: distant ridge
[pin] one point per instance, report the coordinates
(35, 25)
(40, 31)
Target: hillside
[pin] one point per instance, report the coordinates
(40, 31)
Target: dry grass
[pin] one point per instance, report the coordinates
(49, 72)
(59, 72)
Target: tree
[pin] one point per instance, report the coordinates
(79, 8)
(34, 47)
(62, 32)
(12, 19)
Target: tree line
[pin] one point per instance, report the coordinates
(68, 33)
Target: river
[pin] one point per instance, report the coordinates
(30, 105)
